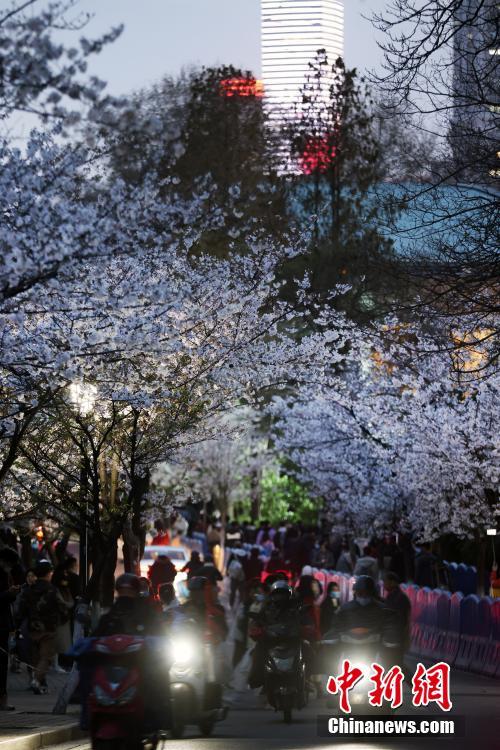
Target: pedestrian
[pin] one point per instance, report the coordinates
(24, 649)
(426, 567)
(60, 580)
(495, 581)
(308, 592)
(236, 579)
(74, 583)
(214, 536)
(8, 594)
(193, 564)
(266, 542)
(43, 609)
(329, 607)
(275, 562)
(367, 565)
(161, 571)
(209, 571)
(253, 565)
(162, 536)
(397, 601)
(233, 535)
(169, 603)
(323, 557)
(263, 529)
(345, 562)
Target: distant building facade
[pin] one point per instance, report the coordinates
(292, 31)
(475, 126)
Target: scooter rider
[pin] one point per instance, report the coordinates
(129, 614)
(280, 608)
(203, 609)
(366, 612)
(204, 613)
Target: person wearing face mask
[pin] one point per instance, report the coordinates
(329, 607)
(366, 615)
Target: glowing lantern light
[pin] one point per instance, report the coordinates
(317, 155)
(241, 86)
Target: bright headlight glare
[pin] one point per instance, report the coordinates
(182, 650)
(365, 667)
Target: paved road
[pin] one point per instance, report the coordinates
(251, 726)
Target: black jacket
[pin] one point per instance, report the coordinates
(41, 606)
(6, 601)
(129, 616)
(376, 616)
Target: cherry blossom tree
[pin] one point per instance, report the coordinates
(399, 443)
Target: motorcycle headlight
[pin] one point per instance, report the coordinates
(102, 697)
(182, 650)
(365, 667)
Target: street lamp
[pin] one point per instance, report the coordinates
(83, 397)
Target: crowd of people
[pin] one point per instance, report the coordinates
(36, 608)
(295, 546)
(269, 571)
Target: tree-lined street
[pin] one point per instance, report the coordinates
(249, 364)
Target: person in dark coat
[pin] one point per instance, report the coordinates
(425, 567)
(397, 600)
(43, 608)
(329, 607)
(130, 614)
(8, 594)
(193, 565)
(161, 571)
(209, 571)
(253, 566)
(275, 562)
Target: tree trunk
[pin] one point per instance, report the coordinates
(480, 563)
(255, 495)
(131, 550)
(106, 583)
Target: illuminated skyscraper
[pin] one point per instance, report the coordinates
(292, 31)
(475, 101)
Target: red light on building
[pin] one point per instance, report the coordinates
(242, 87)
(317, 155)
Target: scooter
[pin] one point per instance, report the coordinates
(362, 647)
(195, 694)
(285, 672)
(118, 715)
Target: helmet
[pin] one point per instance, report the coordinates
(281, 589)
(43, 568)
(197, 583)
(128, 581)
(365, 585)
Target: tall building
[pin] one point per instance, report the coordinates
(475, 101)
(292, 31)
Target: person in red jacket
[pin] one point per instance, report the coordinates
(495, 581)
(161, 571)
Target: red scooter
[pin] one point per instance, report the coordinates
(116, 702)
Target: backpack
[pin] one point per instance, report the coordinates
(45, 610)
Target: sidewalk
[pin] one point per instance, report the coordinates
(33, 725)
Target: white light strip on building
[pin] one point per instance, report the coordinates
(292, 31)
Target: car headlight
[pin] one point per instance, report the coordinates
(182, 650)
